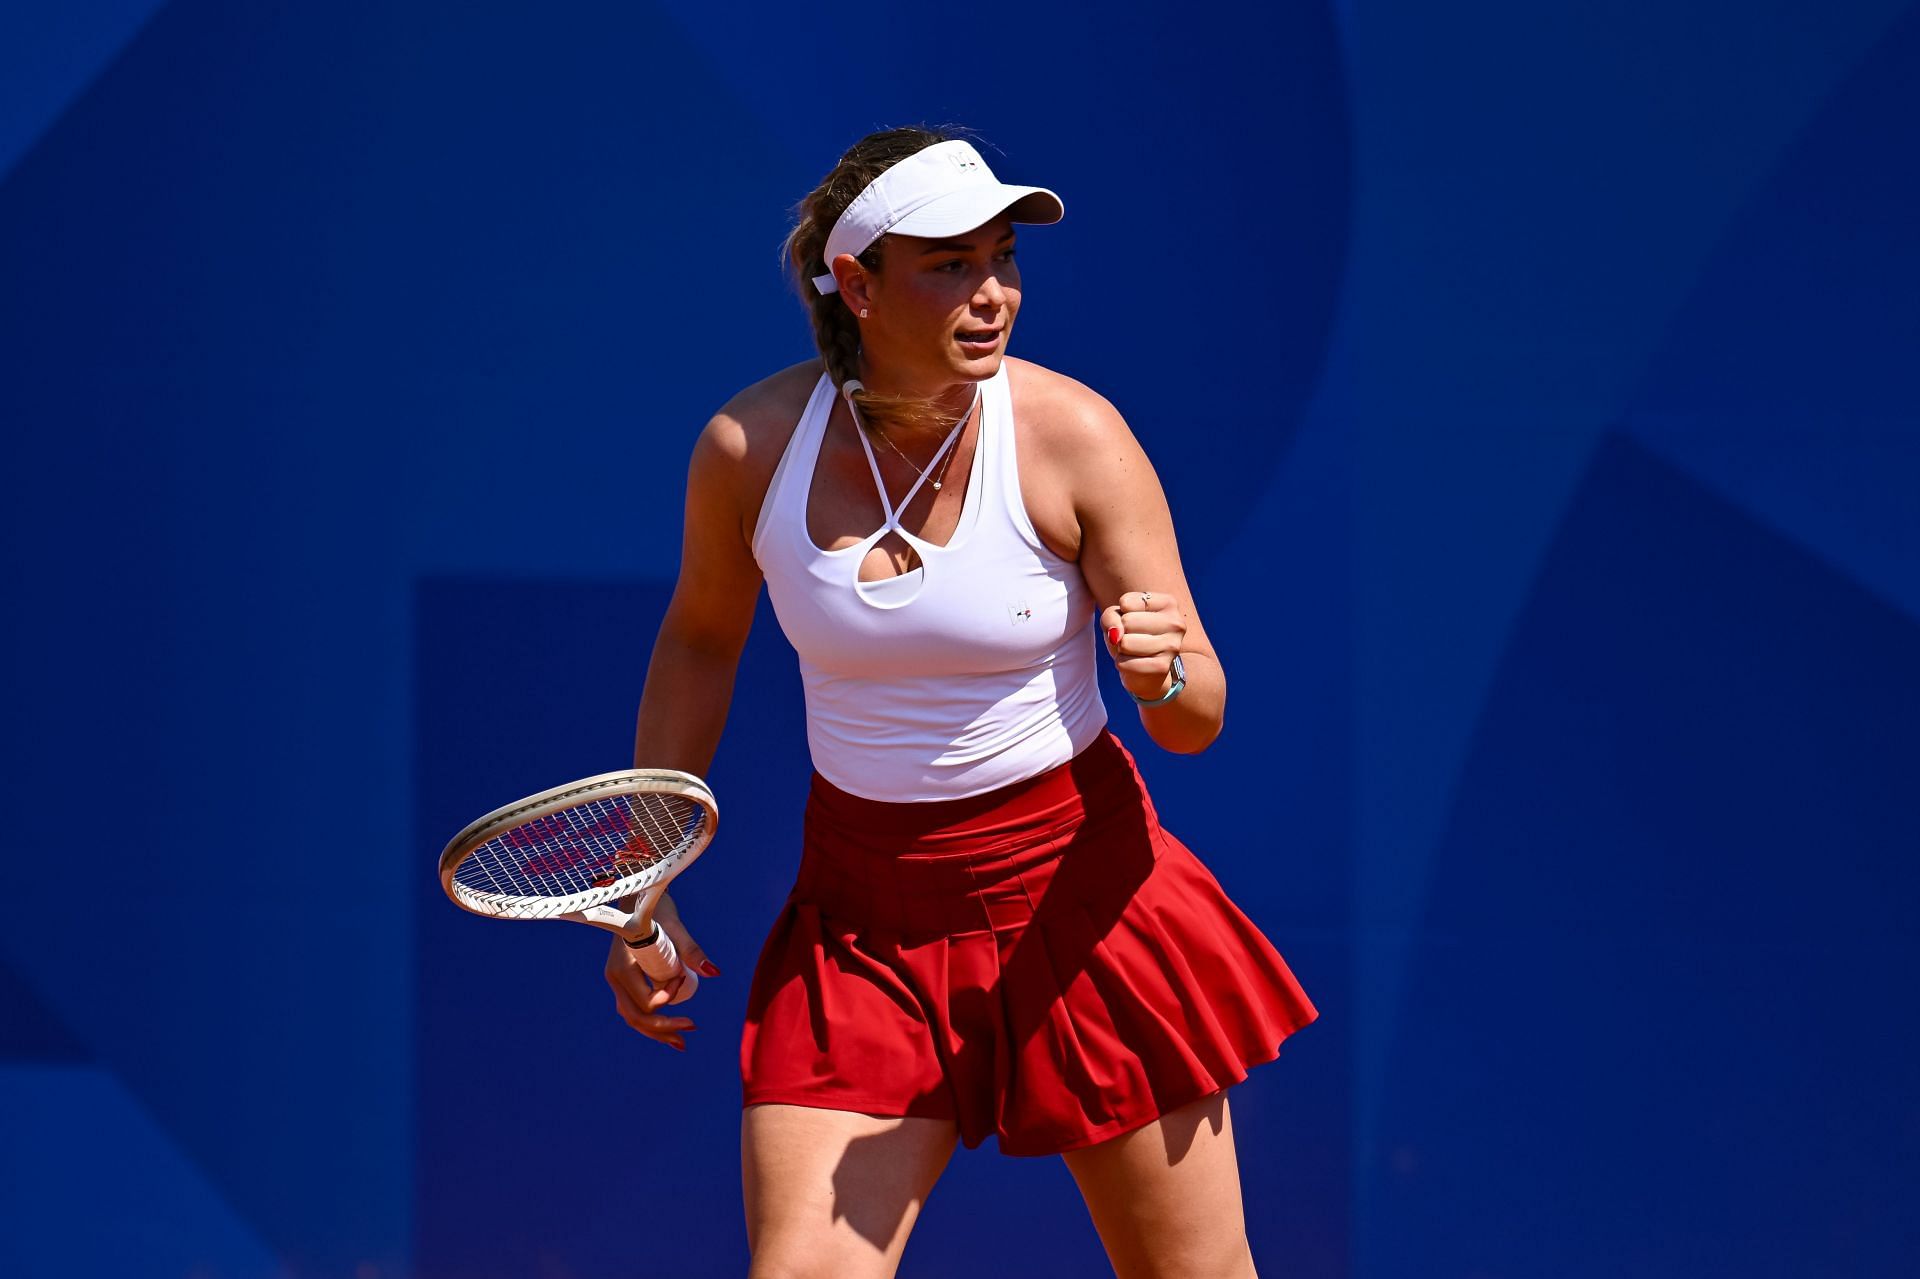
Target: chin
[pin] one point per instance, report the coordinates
(980, 367)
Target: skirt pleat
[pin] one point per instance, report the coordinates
(1044, 964)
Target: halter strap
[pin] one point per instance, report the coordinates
(873, 463)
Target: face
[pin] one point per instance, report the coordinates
(940, 311)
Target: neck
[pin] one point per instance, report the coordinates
(952, 400)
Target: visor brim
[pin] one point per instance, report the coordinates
(975, 206)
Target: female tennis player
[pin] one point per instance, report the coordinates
(990, 932)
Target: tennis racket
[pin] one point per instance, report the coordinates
(575, 851)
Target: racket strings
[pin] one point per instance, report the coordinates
(591, 846)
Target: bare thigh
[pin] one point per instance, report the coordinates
(1166, 1198)
(834, 1193)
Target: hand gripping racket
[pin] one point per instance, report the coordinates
(574, 851)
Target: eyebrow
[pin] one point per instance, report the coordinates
(957, 246)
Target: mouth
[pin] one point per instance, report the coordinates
(979, 339)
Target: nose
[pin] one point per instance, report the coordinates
(990, 296)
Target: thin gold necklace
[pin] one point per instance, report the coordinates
(946, 451)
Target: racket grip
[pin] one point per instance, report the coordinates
(660, 961)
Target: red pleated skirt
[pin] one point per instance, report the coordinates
(1043, 963)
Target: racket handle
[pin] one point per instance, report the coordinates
(660, 961)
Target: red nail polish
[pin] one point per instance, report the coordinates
(709, 969)
(1113, 635)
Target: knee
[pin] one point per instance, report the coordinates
(786, 1263)
(767, 1267)
(1221, 1254)
(1224, 1258)
(1229, 1257)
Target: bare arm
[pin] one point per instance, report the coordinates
(697, 650)
(690, 683)
(1131, 563)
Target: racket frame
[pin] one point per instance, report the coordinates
(592, 905)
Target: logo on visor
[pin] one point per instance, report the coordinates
(966, 161)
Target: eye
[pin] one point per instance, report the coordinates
(952, 267)
(1007, 256)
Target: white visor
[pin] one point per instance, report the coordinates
(942, 190)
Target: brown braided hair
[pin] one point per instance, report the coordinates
(835, 332)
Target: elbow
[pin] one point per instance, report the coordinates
(1188, 736)
(691, 640)
(1195, 743)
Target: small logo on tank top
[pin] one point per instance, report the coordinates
(1018, 613)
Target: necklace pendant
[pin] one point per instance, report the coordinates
(936, 485)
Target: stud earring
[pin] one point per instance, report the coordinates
(863, 312)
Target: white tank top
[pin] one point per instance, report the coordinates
(969, 672)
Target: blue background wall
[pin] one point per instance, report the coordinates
(1536, 390)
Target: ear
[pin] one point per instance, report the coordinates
(854, 281)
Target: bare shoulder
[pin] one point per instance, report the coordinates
(1065, 417)
(751, 430)
(740, 447)
(1076, 454)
